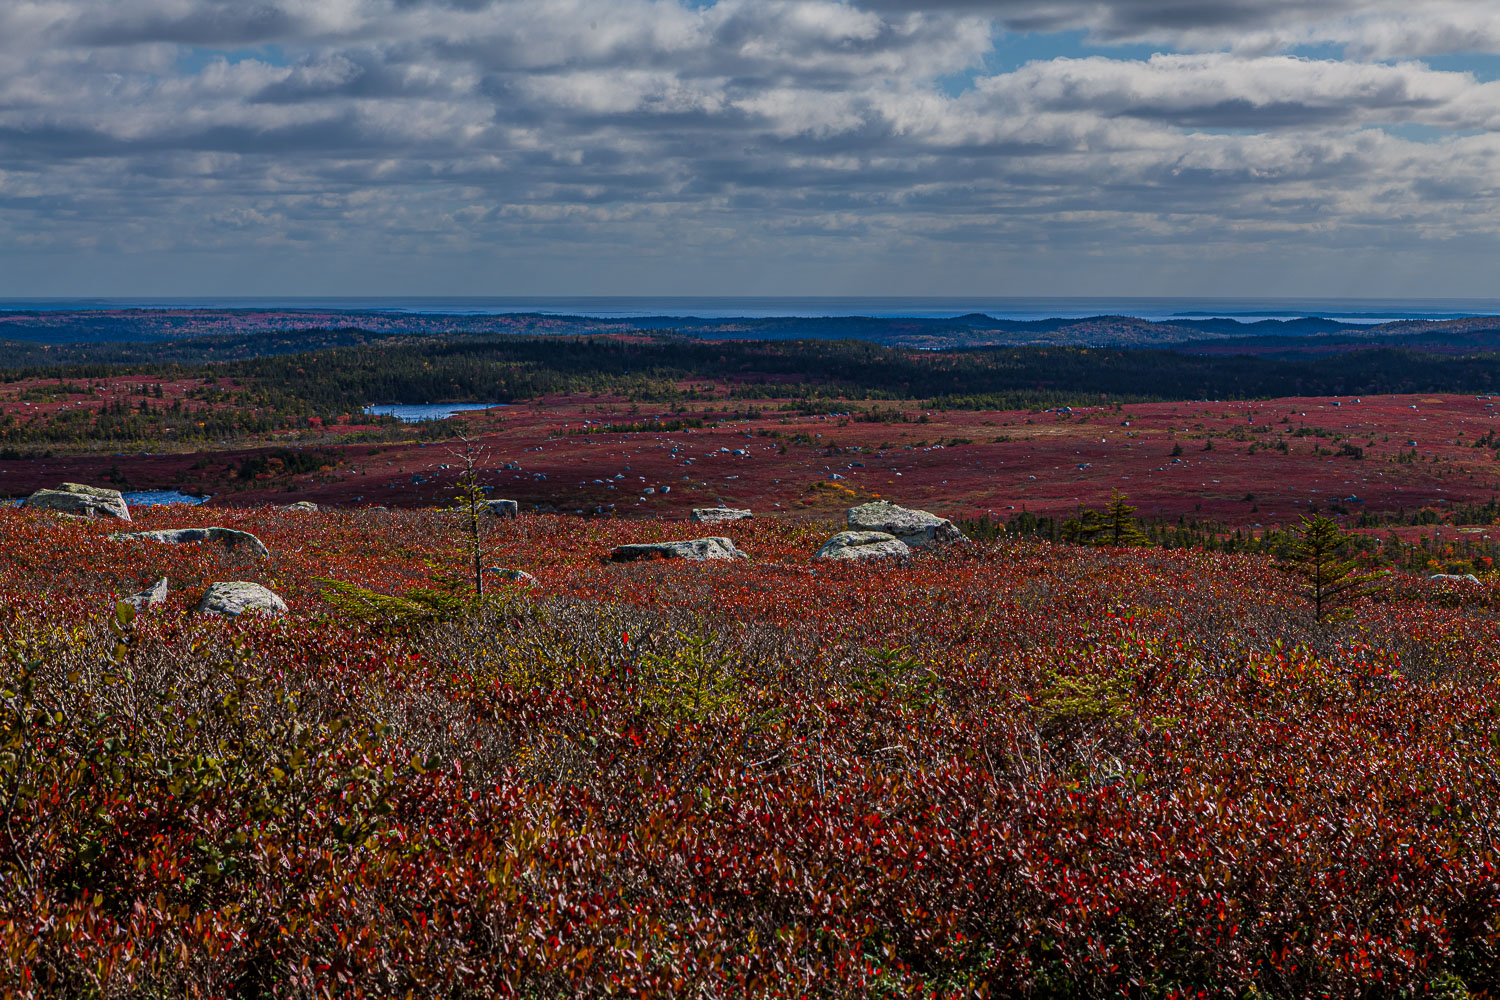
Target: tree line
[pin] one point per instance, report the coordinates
(1116, 525)
(349, 369)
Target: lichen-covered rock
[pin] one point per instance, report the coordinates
(503, 508)
(81, 501)
(513, 575)
(697, 550)
(154, 594)
(710, 515)
(914, 527)
(232, 540)
(301, 507)
(863, 545)
(1454, 578)
(237, 597)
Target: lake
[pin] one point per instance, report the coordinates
(153, 498)
(414, 413)
(137, 498)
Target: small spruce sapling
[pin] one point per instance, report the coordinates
(472, 504)
(1326, 578)
(446, 599)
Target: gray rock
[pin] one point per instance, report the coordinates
(1454, 578)
(82, 501)
(710, 515)
(237, 597)
(301, 506)
(863, 545)
(232, 540)
(914, 527)
(503, 508)
(154, 594)
(513, 575)
(697, 550)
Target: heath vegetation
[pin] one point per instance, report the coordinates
(1016, 769)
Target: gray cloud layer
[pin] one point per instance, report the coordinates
(755, 145)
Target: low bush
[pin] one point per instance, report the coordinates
(1021, 770)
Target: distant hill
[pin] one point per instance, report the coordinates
(1453, 337)
(256, 332)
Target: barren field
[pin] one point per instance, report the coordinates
(1245, 464)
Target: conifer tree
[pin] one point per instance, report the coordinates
(1114, 525)
(472, 504)
(1119, 522)
(1327, 578)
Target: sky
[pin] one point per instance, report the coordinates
(750, 147)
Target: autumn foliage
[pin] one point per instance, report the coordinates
(1016, 770)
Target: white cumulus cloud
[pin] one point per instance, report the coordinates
(656, 145)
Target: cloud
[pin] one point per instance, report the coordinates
(705, 140)
(1218, 90)
(1384, 29)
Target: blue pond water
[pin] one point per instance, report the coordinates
(151, 498)
(413, 413)
(139, 498)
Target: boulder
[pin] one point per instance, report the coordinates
(710, 515)
(80, 500)
(301, 507)
(914, 527)
(863, 545)
(154, 594)
(513, 575)
(237, 597)
(503, 508)
(697, 550)
(232, 540)
(1454, 578)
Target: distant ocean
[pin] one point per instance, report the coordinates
(630, 307)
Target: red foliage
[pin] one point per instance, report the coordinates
(961, 462)
(1010, 770)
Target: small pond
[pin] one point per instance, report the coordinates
(138, 498)
(414, 413)
(151, 498)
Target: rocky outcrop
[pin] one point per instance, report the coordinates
(916, 528)
(503, 508)
(1454, 578)
(81, 501)
(519, 576)
(237, 597)
(697, 550)
(863, 545)
(154, 594)
(711, 515)
(301, 507)
(232, 540)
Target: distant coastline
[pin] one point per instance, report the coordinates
(626, 308)
(111, 332)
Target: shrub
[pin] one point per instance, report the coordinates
(1023, 769)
